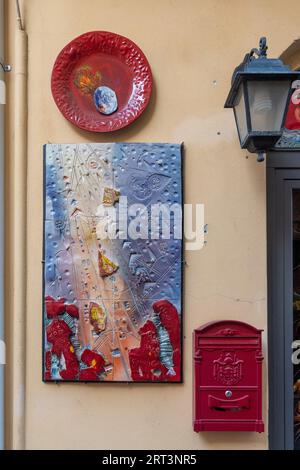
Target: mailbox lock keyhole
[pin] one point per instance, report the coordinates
(228, 394)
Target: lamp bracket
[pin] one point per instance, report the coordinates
(260, 156)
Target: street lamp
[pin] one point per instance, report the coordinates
(259, 95)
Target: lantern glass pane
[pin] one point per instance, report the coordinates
(267, 102)
(240, 114)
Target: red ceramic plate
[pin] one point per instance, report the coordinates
(100, 58)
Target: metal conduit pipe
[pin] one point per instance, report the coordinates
(2, 130)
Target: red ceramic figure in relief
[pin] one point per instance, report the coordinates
(145, 359)
(158, 357)
(95, 363)
(101, 81)
(228, 377)
(58, 334)
(57, 307)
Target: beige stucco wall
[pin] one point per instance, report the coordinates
(192, 47)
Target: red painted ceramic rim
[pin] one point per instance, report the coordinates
(121, 48)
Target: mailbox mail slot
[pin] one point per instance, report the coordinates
(228, 377)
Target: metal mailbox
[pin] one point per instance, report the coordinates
(228, 377)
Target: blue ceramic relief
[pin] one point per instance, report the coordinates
(105, 100)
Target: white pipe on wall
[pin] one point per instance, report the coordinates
(2, 345)
(19, 240)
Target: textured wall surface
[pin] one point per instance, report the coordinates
(192, 47)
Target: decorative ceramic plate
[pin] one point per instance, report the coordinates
(101, 81)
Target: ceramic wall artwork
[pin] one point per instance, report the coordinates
(112, 304)
(101, 81)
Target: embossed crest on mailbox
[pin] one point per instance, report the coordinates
(228, 377)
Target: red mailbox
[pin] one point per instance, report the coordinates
(227, 377)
